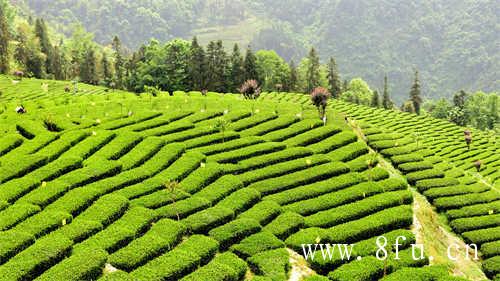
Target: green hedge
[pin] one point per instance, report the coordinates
(37, 258)
(273, 125)
(211, 139)
(358, 209)
(13, 242)
(263, 212)
(55, 149)
(334, 199)
(234, 231)
(415, 166)
(269, 159)
(207, 219)
(423, 175)
(15, 167)
(491, 267)
(302, 177)
(293, 130)
(454, 202)
(219, 189)
(90, 145)
(226, 266)
(273, 264)
(369, 268)
(285, 225)
(229, 145)
(406, 158)
(105, 210)
(16, 213)
(336, 141)
(423, 185)
(361, 163)
(282, 168)
(257, 243)
(121, 232)
(481, 236)
(86, 265)
(349, 152)
(183, 208)
(141, 153)
(455, 190)
(169, 129)
(315, 189)
(162, 236)
(79, 229)
(375, 174)
(372, 225)
(490, 249)
(474, 210)
(246, 152)
(252, 121)
(43, 222)
(240, 200)
(188, 134)
(116, 148)
(9, 142)
(312, 136)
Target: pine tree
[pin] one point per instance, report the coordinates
(250, 66)
(197, 66)
(106, 71)
(345, 86)
(386, 98)
(237, 73)
(119, 62)
(313, 74)
(45, 45)
(216, 66)
(88, 68)
(375, 99)
(415, 95)
(334, 79)
(58, 64)
(4, 43)
(293, 80)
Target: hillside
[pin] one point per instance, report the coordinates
(452, 43)
(100, 184)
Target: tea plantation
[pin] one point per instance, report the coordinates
(97, 184)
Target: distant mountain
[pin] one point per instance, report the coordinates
(453, 43)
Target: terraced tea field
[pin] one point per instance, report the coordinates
(98, 184)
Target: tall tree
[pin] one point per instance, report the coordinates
(58, 64)
(88, 68)
(216, 66)
(386, 98)
(106, 70)
(45, 45)
(294, 78)
(250, 65)
(334, 79)
(4, 42)
(415, 94)
(197, 66)
(237, 72)
(313, 71)
(375, 99)
(119, 62)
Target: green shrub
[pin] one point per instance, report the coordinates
(285, 225)
(425, 174)
(169, 129)
(141, 153)
(481, 236)
(226, 266)
(406, 158)
(162, 236)
(272, 125)
(80, 229)
(423, 185)
(219, 189)
(170, 266)
(211, 139)
(256, 243)
(207, 219)
(15, 167)
(358, 209)
(348, 152)
(240, 200)
(90, 145)
(183, 208)
(455, 190)
(490, 249)
(116, 148)
(263, 212)
(252, 121)
(453, 202)
(273, 264)
(16, 213)
(302, 177)
(415, 166)
(229, 145)
(491, 266)
(334, 199)
(54, 149)
(188, 134)
(331, 143)
(270, 159)
(312, 136)
(474, 210)
(37, 258)
(234, 231)
(246, 152)
(370, 268)
(43, 222)
(9, 142)
(86, 265)
(293, 130)
(13, 242)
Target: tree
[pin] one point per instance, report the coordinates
(173, 188)
(271, 69)
(334, 79)
(58, 64)
(407, 106)
(4, 42)
(359, 92)
(250, 65)
(221, 125)
(216, 66)
(197, 65)
(294, 79)
(237, 72)
(119, 63)
(440, 109)
(415, 95)
(106, 70)
(88, 68)
(250, 89)
(319, 98)
(386, 98)
(45, 45)
(313, 71)
(375, 99)
(175, 64)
